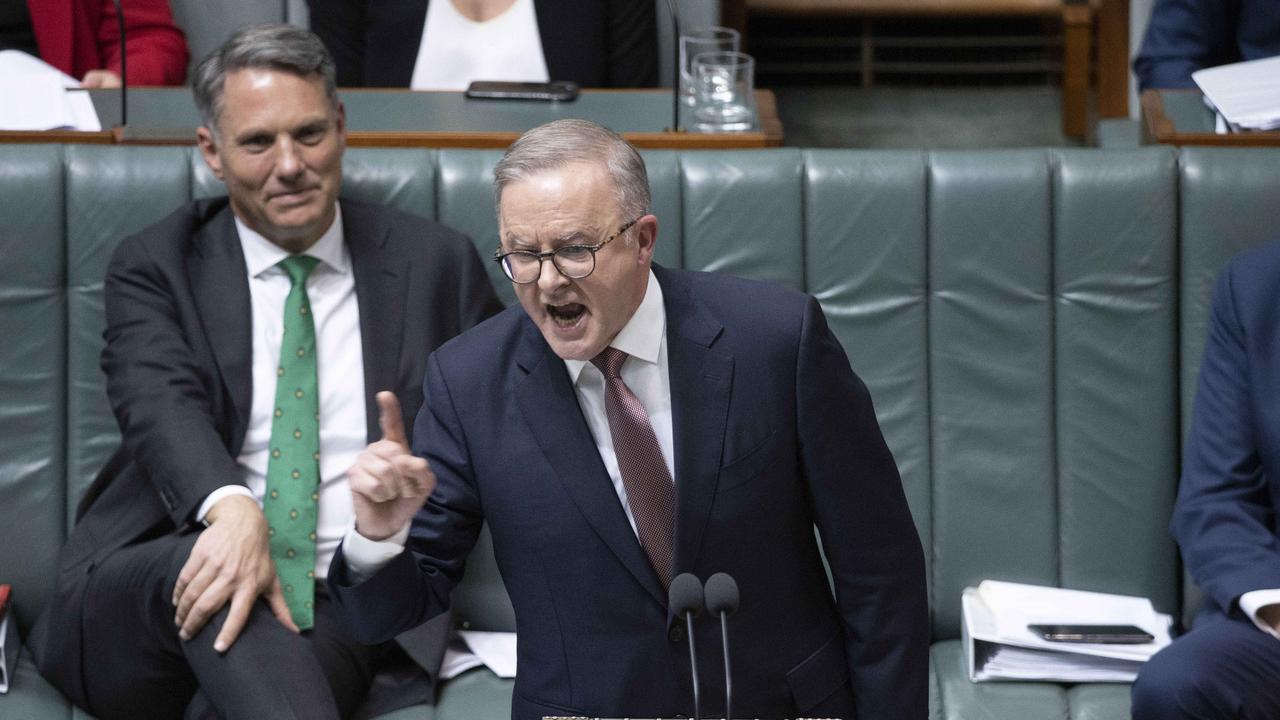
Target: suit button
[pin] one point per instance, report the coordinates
(675, 634)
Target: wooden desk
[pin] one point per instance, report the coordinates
(404, 118)
(1078, 19)
(1180, 117)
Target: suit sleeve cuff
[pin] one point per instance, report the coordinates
(1253, 601)
(365, 557)
(216, 495)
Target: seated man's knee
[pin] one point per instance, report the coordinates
(1163, 681)
(1205, 674)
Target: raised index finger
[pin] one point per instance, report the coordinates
(390, 419)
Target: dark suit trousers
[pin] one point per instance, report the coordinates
(137, 667)
(1224, 668)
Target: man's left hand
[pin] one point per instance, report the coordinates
(100, 79)
(230, 563)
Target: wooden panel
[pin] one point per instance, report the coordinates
(1113, 58)
(1077, 21)
(906, 8)
(1158, 127)
(769, 134)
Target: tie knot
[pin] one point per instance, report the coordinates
(609, 362)
(298, 267)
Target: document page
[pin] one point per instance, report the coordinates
(1013, 606)
(36, 96)
(1246, 94)
(473, 648)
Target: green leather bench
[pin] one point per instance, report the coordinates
(1029, 323)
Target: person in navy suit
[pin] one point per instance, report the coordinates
(1225, 519)
(1184, 36)
(625, 423)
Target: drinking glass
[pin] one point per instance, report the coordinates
(725, 84)
(710, 39)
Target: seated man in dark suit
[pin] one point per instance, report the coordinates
(1184, 36)
(1225, 519)
(246, 337)
(628, 423)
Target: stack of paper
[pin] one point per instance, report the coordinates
(9, 642)
(999, 646)
(36, 96)
(473, 648)
(1245, 94)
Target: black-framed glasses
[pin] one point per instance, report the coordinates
(572, 261)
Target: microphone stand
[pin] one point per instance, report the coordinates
(721, 593)
(728, 679)
(693, 660)
(684, 597)
(124, 67)
(675, 66)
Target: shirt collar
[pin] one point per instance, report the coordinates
(261, 255)
(641, 337)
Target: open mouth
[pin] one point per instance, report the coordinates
(293, 196)
(566, 315)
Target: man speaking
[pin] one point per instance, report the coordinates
(628, 423)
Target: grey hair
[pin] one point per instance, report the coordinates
(564, 142)
(287, 48)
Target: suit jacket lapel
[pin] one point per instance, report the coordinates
(220, 284)
(701, 378)
(380, 289)
(550, 408)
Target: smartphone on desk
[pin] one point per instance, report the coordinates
(561, 90)
(1113, 634)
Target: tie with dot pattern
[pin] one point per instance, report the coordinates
(293, 471)
(650, 492)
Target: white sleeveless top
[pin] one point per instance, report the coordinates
(456, 49)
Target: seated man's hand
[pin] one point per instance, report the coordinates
(230, 562)
(388, 482)
(100, 79)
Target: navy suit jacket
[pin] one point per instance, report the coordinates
(1229, 500)
(774, 435)
(1184, 36)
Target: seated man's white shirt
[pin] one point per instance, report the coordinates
(646, 373)
(1252, 602)
(340, 369)
(456, 49)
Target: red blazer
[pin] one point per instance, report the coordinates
(77, 36)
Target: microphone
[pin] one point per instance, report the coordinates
(685, 598)
(722, 600)
(675, 66)
(124, 67)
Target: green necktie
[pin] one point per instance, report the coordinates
(293, 472)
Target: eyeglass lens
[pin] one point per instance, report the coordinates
(573, 261)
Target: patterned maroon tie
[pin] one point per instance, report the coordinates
(650, 492)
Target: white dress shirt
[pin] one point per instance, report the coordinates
(456, 49)
(1252, 602)
(340, 368)
(646, 373)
